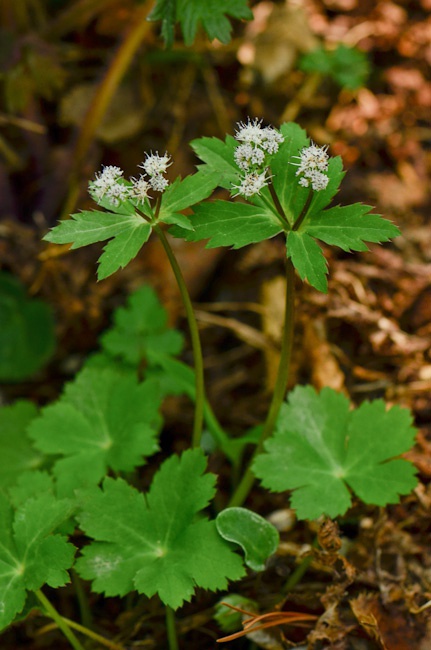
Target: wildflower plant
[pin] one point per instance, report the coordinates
(107, 421)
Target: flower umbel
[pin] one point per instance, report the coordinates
(105, 183)
(251, 184)
(251, 156)
(155, 166)
(139, 189)
(313, 162)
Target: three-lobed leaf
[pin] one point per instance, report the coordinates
(159, 542)
(104, 419)
(321, 448)
(31, 555)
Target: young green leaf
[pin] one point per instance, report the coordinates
(348, 66)
(158, 542)
(231, 224)
(308, 259)
(350, 226)
(321, 447)
(218, 157)
(30, 554)
(104, 419)
(190, 13)
(17, 453)
(123, 248)
(91, 226)
(257, 537)
(140, 330)
(184, 193)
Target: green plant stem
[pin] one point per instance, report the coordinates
(82, 600)
(92, 635)
(277, 204)
(59, 620)
(297, 575)
(171, 629)
(304, 211)
(195, 339)
(247, 481)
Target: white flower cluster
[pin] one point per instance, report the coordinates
(155, 166)
(257, 143)
(313, 163)
(110, 184)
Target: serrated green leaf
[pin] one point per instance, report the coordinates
(212, 16)
(308, 259)
(30, 555)
(155, 544)
(89, 227)
(165, 10)
(257, 537)
(231, 224)
(321, 447)
(183, 194)
(104, 419)
(350, 226)
(28, 484)
(140, 330)
(123, 248)
(17, 454)
(218, 157)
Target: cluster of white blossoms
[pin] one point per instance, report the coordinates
(110, 184)
(313, 163)
(257, 143)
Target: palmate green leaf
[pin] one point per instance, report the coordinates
(350, 226)
(17, 454)
(191, 13)
(321, 448)
(184, 193)
(218, 157)
(90, 226)
(308, 259)
(30, 554)
(140, 330)
(123, 248)
(231, 224)
(104, 419)
(158, 542)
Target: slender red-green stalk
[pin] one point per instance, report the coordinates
(247, 481)
(195, 339)
(59, 620)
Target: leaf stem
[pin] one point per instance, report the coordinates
(90, 633)
(171, 629)
(304, 211)
(278, 205)
(247, 481)
(194, 334)
(59, 620)
(82, 599)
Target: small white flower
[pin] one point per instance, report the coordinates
(251, 184)
(117, 193)
(318, 180)
(155, 165)
(158, 183)
(313, 161)
(251, 132)
(245, 156)
(313, 157)
(105, 181)
(271, 139)
(139, 189)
